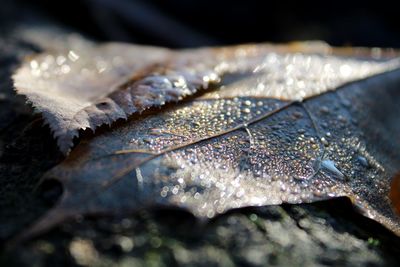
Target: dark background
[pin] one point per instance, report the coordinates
(185, 23)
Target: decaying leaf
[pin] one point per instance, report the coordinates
(81, 85)
(272, 131)
(84, 86)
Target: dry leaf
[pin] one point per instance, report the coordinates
(252, 141)
(80, 85)
(84, 85)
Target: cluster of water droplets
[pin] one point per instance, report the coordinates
(294, 76)
(197, 120)
(156, 89)
(252, 165)
(299, 154)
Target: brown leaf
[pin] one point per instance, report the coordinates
(85, 85)
(272, 132)
(80, 85)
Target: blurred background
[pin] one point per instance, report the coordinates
(188, 23)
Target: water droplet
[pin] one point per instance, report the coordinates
(363, 161)
(175, 190)
(253, 217)
(218, 146)
(195, 124)
(342, 119)
(346, 103)
(73, 56)
(156, 131)
(276, 127)
(329, 165)
(324, 109)
(210, 214)
(247, 103)
(65, 69)
(297, 115)
(345, 70)
(34, 64)
(324, 141)
(60, 60)
(148, 140)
